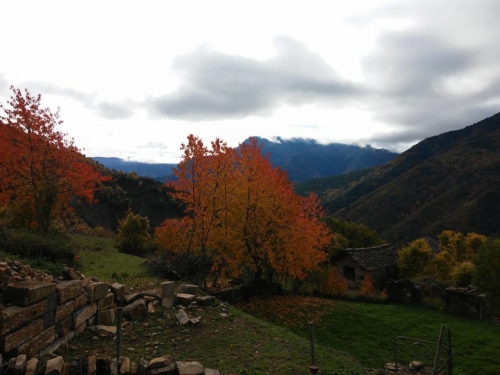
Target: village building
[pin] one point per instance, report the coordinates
(355, 264)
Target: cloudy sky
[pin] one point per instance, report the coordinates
(133, 79)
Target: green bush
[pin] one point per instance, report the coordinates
(35, 246)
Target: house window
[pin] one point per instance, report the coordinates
(349, 273)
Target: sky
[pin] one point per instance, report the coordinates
(133, 79)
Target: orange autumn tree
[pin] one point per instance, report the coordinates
(242, 215)
(40, 169)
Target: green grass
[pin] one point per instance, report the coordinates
(236, 344)
(367, 331)
(101, 259)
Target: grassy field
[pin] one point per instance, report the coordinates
(235, 344)
(367, 331)
(101, 259)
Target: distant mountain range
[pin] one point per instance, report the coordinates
(449, 181)
(302, 159)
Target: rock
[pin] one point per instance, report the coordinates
(84, 314)
(160, 362)
(391, 366)
(106, 317)
(27, 293)
(20, 362)
(105, 302)
(168, 290)
(187, 289)
(195, 320)
(190, 368)
(113, 367)
(209, 371)
(68, 290)
(132, 298)
(151, 308)
(91, 365)
(105, 331)
(182, 317)
(70, 274)
(125, 366)
(81, 301)
(22, 335)
(54, 366)
(167, 302)
(118, 290)
(63, 327)
(14, 317)
(184, 299)
(101, 290)
(416, 365)
(135, 310)
(64, 310)
(37, 343)
(31, 366)
(142, 367)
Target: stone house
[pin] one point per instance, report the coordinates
(354, 264)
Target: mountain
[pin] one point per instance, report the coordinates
(157, 171)
(306, 159)
(449, 181)
(302, 159)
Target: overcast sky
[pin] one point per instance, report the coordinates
(133, 79)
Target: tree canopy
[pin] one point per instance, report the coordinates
(41, 170)
(242, 214)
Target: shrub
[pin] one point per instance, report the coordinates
(463, 273)
(133, 235)
(367, 288)
(414, 258)
(32, 245)
(332, 283)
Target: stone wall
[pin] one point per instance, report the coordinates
(39, 314)
(458, 301)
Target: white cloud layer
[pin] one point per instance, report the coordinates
(134, 79)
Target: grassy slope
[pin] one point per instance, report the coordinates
(367, 331)
(99, 258)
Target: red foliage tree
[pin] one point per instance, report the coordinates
(242, 214)
(39, 167)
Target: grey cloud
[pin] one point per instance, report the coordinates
(407, 71)
(116, 111)
(221, 86)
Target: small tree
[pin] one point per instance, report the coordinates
(367, 288)
(133, 234)
(486, 276)
(414, 258)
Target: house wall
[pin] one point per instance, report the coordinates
(379, 276)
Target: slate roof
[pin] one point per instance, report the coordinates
(372, 258)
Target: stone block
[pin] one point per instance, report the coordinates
(135, 310)
(27, 293)
(13, 317)
(188, 289)
(184, 299)
(209, 371)
(91, 365)
(101, 290)
(37, 343)
(167, 302)
(81, 328)
(164, 365)
(84, 314)
(20, 363)
(106, 317)
(66, 368)
(125, 366)
(64, 310)
(113, 367)
(64, 326)
(190, 368)
(105, 302)
(69, 290)
(31, 366)
(81, 301)
(142, 367)
(54, 366)
(132, 298)
(59, 345)
(168, 289)
(118, 290)
(182, 317)
(22, 335)
(105, 331)
(90, 291)
(70, 274)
